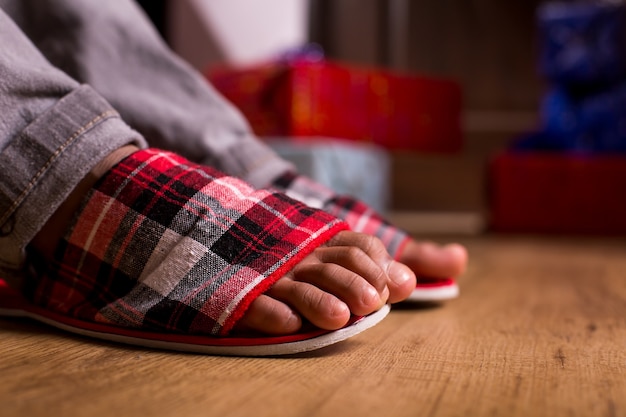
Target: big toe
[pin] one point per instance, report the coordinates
(402, 281)
(430, 259)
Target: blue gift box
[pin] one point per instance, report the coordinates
(603, 118)
(582, 42)
(357, 169)
(590, 122)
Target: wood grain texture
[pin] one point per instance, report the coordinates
(540, 329)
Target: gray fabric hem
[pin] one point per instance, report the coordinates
(71, 137)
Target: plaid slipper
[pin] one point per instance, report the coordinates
(364, 219)
(167, 251)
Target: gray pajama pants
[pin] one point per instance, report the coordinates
(81, 78)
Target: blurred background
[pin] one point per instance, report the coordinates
(506, 58)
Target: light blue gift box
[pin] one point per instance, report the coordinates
(358, 169)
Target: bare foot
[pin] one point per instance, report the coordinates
(352, 274)
(343, 278)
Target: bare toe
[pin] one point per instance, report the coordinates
(348, 286)
(321, 308)
(430, 259)
(402, 281)
(270, 316)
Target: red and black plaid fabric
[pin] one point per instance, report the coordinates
(361, 217)
(163, 244)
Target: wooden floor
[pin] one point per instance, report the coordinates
(540, 330)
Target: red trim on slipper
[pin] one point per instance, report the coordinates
(426, 282)
(10, 299)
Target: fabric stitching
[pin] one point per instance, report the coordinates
(60, 149)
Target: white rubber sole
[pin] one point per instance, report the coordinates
(434, 293)
(224, 346)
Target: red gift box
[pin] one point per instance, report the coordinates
(307, 99)
(558, 193)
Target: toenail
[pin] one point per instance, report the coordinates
(399, 273)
